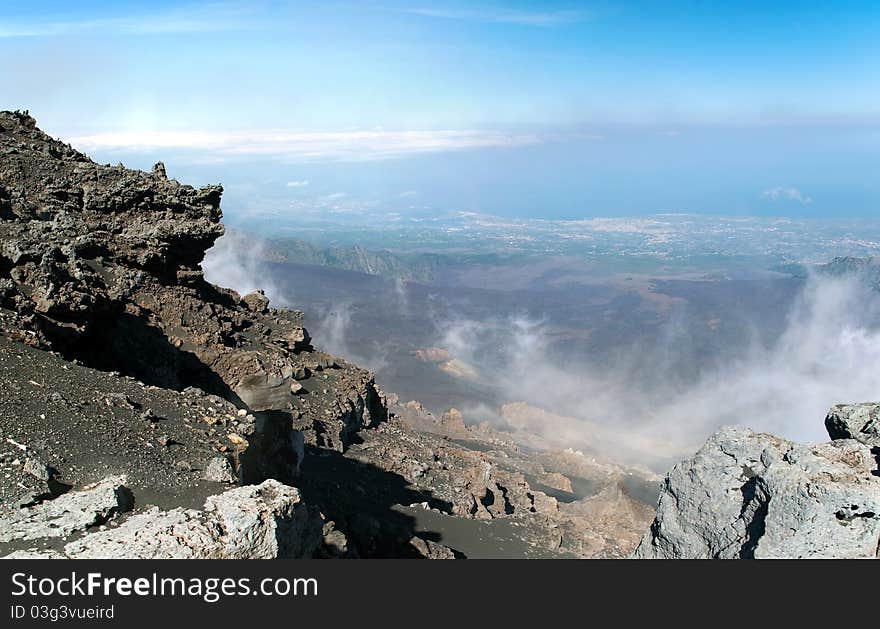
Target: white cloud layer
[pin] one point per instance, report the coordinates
(302, 145)
(194, 18)
(828, 353)
(522, 18)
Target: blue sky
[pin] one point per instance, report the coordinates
(521, 108)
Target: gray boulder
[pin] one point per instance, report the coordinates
(38, 469)
(219, 470)
(73, 511)
(751, 495)
(263, 521)
(855, 421)
(431, 550)
(256, 301)
(154, 534)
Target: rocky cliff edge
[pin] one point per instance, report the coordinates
(102, 265)
(136, 395)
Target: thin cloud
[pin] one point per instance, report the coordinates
(523, 18)
(302, 146)
(790, 194)
(298, 184)
(185, 19)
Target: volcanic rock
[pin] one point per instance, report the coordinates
(219, 470)
(102, 265)
(752, 495)
(855, 421)
(265, 521)
(74, 511)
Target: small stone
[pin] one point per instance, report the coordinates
(119, 400)
(38, 469)
(256, 301)
(219, 470)
(237, 439)
(855, 421)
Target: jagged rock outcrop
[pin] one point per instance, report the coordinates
(432, 550)
(265, 521)
(480, 490)
(117, 357)
(465, 479)
(855, 421)
(101, 264)
(74, 511)
(752, 495)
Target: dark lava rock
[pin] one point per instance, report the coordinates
(102, 265)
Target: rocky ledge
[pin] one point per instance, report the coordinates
(752, 495)
(101, 264)
(118, 358)
(265, 521)
(136, 394)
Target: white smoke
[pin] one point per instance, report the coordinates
(242, 263)
(401, 296)
(829, 353)
(239, 262)
(331, 330)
